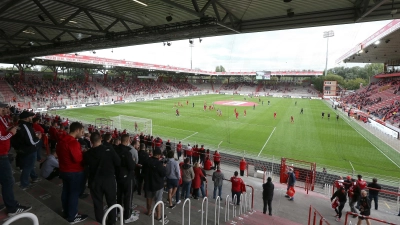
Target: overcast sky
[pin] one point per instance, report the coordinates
(274, 50)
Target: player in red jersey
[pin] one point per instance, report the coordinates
(177, 112)
(237, 115)
(274, 115)
(205, 107)
(209, 107)
(291, 119)
(244, 112)
(235, 111)
(187, 102)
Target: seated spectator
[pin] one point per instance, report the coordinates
(49, 168)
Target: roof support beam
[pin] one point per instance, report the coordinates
(183, 8)
(216, 11)
(125, 25)
(93, 20)
(10, 4)
(112, 24)
(44, 10)
(226, 10)
(366, 11)
(203, 10)
(195, 5)
(39, 32)
(71, 16)
(72, 36)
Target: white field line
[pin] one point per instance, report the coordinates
(219, 144)
(266, 141)
(189, 136)
(173, 128)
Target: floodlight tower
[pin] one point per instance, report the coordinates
(327, 35)
(191, 45)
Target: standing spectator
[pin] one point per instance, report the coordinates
(291, 182)
(242, 166)
(340, 194)
(38, 129)
(218, 178)
(50, 167)
(154, 171)
(6, 177)
(189, 153)
(203, 179)
(202, 154)
(188, 176)
(365, 208)
(26, 148)
(143, 157)
(71, 172)
(237, 185)
(134, 150)
(125, 174)
(347, 183)
(268, 195)
(353, 196)
(374, 189)
(53, 135)
(360, 185)
(173, 176)
(102, 161)
(179, 150)
(198, 174)
(217, 159)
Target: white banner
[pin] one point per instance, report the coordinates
(384, 129)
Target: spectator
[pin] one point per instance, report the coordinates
(50, 168)
(173, 176)
(242, 166)
(207, 164)
(340, 195)
(125, 175)
(188, 176)
(347, 183)
(291, 182)
(38, 129)
(353, 196)
(71, 172)
(268, 195)
(179, 150)
(237, 186)
(218, 178)
(203, 179)
(143, 157)
(202, 154)
(6, 177)
(189, 153)
(134, 150)
(26, 148)
(102, 161)
(374, 189)
(198, 174)
(154, 171)
(360, 185)
(365, 208)
(217, 159)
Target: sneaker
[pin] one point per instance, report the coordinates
(20, 209)
(133, 218)
(27, 187)
(291, 199)
(287, 196)
(2, 207)
(78, 218)
(337, 219)
(84, 195)
(160, 219)
(36, 180)
(179, 202)
(173, 206)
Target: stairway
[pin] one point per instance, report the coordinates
(7, 93)
(259, 86)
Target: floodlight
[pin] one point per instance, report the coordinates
(169, 43)
(377, 42)
(191, 41)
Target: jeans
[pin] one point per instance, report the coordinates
(186, 188)
(375, 198)
(72, 187)
(28, 170)
(352, 202)
(203, 192)
(237, 197)
(219, 191)
(7, 183)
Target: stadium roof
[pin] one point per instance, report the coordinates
(30, 28)
(381, 47)
(97, 62)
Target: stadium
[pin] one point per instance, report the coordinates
(278, 121)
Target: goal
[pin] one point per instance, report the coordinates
(144, 125)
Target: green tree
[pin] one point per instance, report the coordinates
(219, 69)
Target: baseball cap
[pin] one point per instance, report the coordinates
(3, 105)
(26, 114)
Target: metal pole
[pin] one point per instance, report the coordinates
(326, 63)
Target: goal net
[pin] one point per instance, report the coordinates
(133, 124)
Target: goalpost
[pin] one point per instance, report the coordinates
(144, 125)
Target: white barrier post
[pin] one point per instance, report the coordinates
(202, 210)
(109, 210)
(218, 200)
(183, 211)
(249, 201)
(162, 214)
(234, 206)
(245, 202)
(227, 207)
(30, 216)
(241, 204)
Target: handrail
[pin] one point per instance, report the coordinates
(202, 210)
(162, 214)
(315, 217)
(109, 210)
(183, 210)
(30, 216)
(366, 217)
(227, 207)
(218, 199)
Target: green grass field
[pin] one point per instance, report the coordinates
(311, 138)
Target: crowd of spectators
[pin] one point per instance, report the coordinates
(183, 86)
(135, 86)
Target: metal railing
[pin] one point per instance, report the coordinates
(314, 219)
(234, 206)
(226, 208)
(366, 217)
(205, 199)
(162, 214)
(217, 200)
(183, 210)
(109, 210)
(30, 216)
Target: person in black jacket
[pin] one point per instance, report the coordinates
(268, 195)
(154, 174)
(365, 208)
(342, 198)
(125, 181)
(101, 161)
(27, 151)
(374, 189)
(143, 157)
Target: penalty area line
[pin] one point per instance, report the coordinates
(266, 141)
(189, 136)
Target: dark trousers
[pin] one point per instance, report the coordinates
(267, 202)
(202, 160)
(238, 194)
(375, 198)
(7, 183)
(55, 173)
(139, 182)
(85, 179)
(216, 163)
(72, 187)
(124, 195)
(106, 187)
(39, 147)
(195, 193)
(28, 170)
(339, 209)
(195, 159)
(241, 173)
(179, 153)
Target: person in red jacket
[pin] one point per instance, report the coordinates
(196, 183)
(237, 185)
(217, 159)
(6, 177)
(207, 164)
(53, 135)
(242, 166)
(179, 149)
(71, 171)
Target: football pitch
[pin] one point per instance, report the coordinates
(331, 143)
